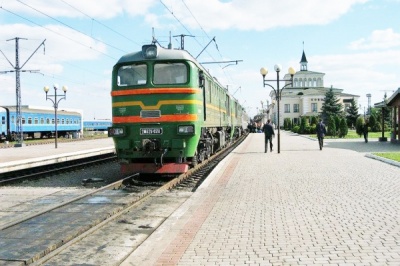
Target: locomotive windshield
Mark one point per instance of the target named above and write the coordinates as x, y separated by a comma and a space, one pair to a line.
170, 73
132, 75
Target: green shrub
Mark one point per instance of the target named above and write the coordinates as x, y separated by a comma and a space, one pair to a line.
314, 120
343, 129
331, 127
313, 129
359, 125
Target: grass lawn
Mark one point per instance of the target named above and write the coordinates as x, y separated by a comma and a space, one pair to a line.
395, 156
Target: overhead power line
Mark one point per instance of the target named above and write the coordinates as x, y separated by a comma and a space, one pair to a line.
55, 32
102, 24
72, 28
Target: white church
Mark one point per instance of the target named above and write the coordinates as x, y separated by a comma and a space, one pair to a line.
305, 97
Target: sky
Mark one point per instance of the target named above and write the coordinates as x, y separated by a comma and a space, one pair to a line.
356, 43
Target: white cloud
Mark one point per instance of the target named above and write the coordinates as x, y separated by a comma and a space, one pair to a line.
379, 39
257, 15
210, 14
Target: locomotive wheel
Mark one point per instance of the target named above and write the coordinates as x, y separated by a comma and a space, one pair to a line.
194, 160
200, 157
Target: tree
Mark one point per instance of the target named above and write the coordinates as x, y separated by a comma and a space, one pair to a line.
287, 124
337, 122
331, 105
331, 126
360, 125
343, 129
352, 113
372, 123
303, 125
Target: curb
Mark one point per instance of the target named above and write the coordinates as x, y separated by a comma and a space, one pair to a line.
385, 160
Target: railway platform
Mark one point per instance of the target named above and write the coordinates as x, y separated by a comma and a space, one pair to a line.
303, 206
12, 159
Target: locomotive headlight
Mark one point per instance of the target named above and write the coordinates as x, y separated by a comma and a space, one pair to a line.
116, 131
149, 51
187, 130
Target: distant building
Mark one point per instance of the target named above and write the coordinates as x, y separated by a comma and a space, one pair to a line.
305, 97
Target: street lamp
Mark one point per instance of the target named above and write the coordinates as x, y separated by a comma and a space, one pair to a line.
384, 105
55, 103
278, 92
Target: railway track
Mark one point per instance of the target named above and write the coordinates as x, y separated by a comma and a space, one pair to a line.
69, 222
34, 173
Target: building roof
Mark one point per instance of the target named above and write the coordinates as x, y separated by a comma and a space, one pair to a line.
308, 72
394, 96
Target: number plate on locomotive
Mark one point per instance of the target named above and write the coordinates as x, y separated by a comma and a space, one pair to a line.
151, 131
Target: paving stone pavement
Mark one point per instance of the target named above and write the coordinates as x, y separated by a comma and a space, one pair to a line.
300, 207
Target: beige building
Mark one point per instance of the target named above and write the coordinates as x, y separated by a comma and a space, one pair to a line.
305, 97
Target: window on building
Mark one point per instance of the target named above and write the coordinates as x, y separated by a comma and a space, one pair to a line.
287, 108
314, 107
296, 108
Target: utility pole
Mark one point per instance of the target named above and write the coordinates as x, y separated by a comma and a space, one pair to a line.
183, 39
17, 70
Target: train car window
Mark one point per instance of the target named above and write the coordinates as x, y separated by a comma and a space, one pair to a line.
132, 75
29, 120
52, 121
236, 109
47, 120
170, 73
3, 120
23, 120
228, 109
36, 121
62, 121
42, 120
208, 90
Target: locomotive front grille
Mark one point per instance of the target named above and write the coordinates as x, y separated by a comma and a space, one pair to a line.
150, 114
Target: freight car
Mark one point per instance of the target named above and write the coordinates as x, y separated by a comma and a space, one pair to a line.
38, 122
168, 112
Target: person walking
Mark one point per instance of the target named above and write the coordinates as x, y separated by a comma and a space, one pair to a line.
321, 131
268, 134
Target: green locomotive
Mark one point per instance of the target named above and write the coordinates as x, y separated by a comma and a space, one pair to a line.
168, 112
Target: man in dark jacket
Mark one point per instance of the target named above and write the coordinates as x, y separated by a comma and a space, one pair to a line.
321, 131
268, 133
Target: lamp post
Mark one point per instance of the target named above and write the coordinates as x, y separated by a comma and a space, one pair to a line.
55, 103
384, 104
278, 92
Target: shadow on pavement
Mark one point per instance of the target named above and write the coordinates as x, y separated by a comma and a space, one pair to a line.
360, 146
